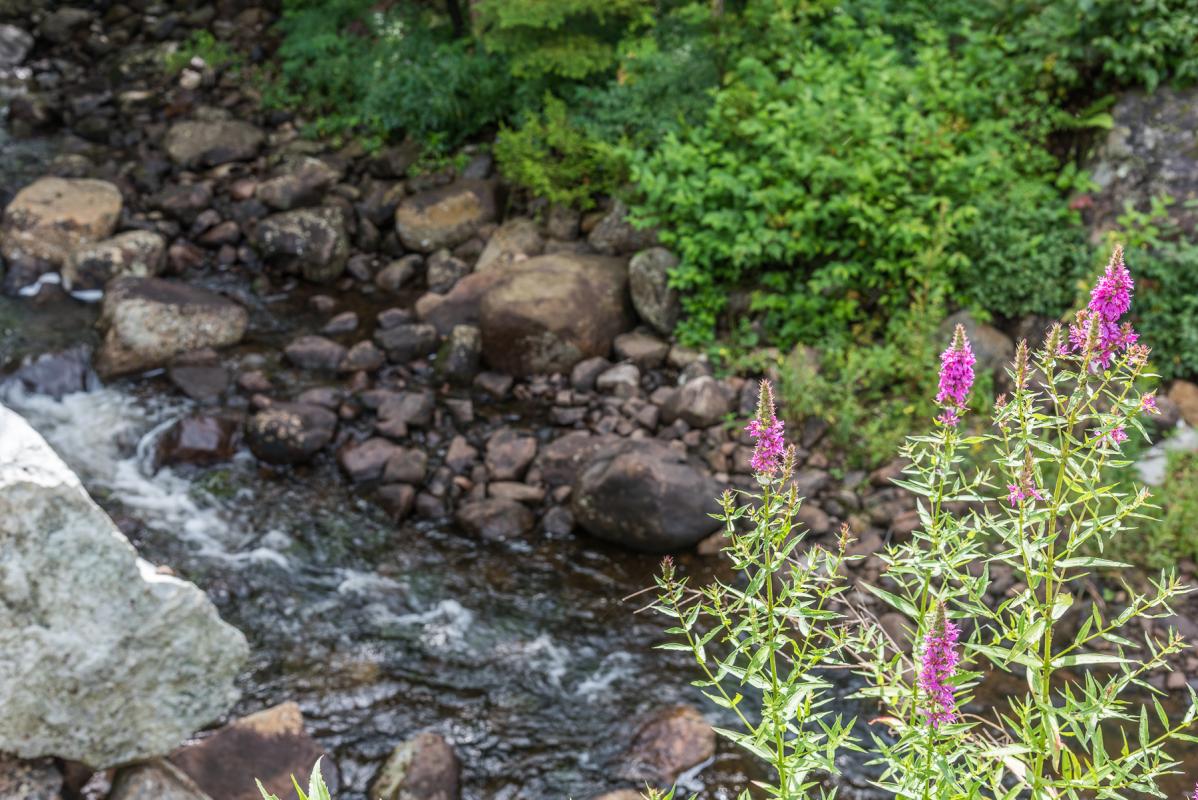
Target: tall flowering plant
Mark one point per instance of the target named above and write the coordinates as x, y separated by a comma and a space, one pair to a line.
774, 634
1042, 693
1064, 724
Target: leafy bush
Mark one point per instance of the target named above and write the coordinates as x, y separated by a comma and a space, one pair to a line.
1062, 692
826, 178
554, 158
387, 73
564, 39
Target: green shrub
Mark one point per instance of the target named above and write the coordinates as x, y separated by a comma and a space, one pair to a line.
554, 158
823, 180
387, 73
563, 39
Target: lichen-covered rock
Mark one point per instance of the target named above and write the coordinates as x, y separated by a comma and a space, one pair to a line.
48, 219
106, 661
310, 241
140, 254
446, 216
515, 240
548, 313
155, 780
208, 143
1150, 151
288, 433
148, 321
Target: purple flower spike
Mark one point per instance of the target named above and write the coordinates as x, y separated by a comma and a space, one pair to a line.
956, 377
940, 659
1148, 403
766, 430
1109, 301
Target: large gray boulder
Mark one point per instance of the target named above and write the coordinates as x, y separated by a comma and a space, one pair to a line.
106, 661
547, 313
149, 321
644, 495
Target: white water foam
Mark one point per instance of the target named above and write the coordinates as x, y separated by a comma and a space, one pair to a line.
108, 439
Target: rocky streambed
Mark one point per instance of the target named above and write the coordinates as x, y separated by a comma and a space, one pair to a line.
419, 442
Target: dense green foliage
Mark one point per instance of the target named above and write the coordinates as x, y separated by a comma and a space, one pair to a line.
554, 158
841, 167
383, 73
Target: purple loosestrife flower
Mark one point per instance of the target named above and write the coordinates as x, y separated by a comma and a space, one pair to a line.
940, 659
766, 430
1148, 403
1026, 487
956, 377
1110, 299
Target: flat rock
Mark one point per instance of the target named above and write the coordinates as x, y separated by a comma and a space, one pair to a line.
48, 219
445, 216
208, 143
106, 660
495, 519
315, 352
148, 321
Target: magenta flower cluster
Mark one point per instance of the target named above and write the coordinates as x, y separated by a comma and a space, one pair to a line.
1110, 299
767, 455
1016, 493
940, 659
956, 377
766, 430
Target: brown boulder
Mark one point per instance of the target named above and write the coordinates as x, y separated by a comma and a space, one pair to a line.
423, 768
671, 742
548, 313
270, 745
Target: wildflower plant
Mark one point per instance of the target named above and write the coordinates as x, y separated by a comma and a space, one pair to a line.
1041, 693
775, 635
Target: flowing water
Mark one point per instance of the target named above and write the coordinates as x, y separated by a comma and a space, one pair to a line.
525, 655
